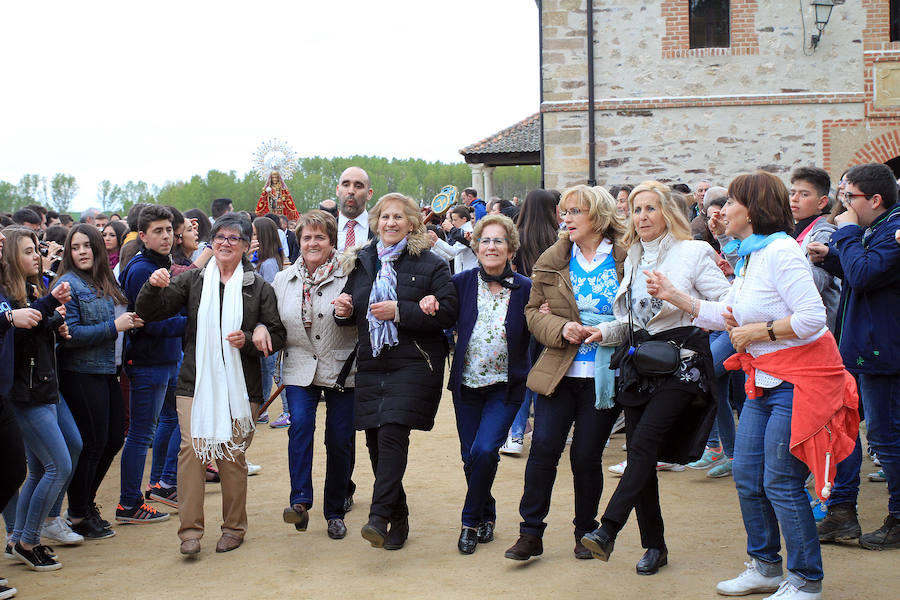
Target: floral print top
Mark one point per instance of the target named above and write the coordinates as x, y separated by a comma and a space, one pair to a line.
487, 357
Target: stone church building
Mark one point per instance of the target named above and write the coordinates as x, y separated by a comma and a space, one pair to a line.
683, 90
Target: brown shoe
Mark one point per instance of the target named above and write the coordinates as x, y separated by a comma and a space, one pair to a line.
525, 547
228, 542
189, 547
298, 515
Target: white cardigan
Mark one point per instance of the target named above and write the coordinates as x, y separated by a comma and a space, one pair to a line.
317, 355
691, 267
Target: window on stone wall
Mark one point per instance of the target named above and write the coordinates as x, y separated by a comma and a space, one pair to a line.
895, 20
708, 23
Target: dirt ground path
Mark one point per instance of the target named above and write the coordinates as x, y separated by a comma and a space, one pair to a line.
704, 533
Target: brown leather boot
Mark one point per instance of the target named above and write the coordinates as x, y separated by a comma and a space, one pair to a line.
526, 546
841, 523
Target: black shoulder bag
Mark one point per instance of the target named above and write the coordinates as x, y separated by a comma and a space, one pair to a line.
651, 357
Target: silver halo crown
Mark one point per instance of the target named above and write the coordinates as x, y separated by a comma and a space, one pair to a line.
274, 155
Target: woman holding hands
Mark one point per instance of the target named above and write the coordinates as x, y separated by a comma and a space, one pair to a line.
401, 352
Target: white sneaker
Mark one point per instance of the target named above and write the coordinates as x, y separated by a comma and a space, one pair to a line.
619, 468
787, 591
662, 466
751, 581
512, 446
253, 469
59, 531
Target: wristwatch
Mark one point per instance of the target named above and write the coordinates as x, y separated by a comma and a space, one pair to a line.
770, 328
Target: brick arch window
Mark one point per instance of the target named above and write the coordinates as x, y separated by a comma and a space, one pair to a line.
708, 23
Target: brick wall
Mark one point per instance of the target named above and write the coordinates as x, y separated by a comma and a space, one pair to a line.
676, 40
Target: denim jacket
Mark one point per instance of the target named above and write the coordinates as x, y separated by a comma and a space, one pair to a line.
91, 321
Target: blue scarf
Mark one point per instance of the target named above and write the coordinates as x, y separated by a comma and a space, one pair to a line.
750, 244
604, 377
384, 333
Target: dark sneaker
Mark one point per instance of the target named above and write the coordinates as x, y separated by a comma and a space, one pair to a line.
37, 558
168, 496
839, 524
95, 512
6, 591
8, 553
885, 537
140, 514
91, 529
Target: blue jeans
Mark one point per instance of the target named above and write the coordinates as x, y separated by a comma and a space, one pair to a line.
770, 483
167, 440
723, 429
520, 422
881, 401
73, 440
483, 417
148, 393
339, 434
49, 468
267, 364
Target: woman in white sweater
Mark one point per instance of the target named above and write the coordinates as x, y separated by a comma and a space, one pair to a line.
667, 416
776, 321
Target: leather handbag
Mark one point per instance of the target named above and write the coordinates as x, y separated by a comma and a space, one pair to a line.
651, 358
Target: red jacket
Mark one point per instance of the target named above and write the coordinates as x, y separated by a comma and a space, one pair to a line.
825, 415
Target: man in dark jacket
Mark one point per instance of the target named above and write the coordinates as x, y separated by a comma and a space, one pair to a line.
152, 355
864, 253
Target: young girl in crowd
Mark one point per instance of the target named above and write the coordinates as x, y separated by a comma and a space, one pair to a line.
270, 260
34, 396
87, 363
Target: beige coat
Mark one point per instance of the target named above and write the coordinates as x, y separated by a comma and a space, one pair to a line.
550, 282
313, 356
691, 267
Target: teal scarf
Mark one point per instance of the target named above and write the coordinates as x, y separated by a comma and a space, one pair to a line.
751, 244
604, 377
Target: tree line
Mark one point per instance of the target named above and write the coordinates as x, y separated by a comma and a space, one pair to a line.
314, 180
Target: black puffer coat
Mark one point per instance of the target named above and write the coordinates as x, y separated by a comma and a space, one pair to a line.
403, 384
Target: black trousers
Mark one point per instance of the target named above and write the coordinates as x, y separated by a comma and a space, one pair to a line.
572, 402
388, 450
646, 426
12, 465
96, 405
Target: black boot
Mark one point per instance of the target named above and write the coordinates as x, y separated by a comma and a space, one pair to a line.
885, 537
839, 524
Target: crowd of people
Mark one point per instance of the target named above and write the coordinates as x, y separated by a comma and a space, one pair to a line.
668, 312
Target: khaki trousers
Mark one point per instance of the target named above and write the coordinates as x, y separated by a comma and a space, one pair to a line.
192, 483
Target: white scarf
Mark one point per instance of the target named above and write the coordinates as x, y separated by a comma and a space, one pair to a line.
221, 409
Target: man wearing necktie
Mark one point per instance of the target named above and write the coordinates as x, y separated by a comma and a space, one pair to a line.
353, 192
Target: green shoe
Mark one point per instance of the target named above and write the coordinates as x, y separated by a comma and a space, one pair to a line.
722, 469
710, 457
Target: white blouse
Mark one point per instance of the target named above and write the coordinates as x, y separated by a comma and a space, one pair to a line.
775, 283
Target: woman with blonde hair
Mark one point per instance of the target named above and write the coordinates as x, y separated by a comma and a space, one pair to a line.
669, 407
577, 278
401, 351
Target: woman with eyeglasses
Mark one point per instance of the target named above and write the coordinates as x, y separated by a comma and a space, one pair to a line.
575, 280
232, 320
489, 367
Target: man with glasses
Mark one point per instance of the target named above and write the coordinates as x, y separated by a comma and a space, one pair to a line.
152, 354
865, 254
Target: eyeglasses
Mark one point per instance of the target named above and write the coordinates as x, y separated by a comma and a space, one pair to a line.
231, 240
848, 197
492, 241
572, 211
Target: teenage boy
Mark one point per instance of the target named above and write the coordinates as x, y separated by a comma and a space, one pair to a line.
152, 354
810, 205
865, 253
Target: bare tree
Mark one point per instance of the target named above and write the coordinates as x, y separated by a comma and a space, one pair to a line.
109, 196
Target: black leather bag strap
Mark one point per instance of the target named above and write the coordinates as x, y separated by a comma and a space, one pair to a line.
345, 370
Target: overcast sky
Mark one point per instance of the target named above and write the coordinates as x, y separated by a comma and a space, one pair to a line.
162, 91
